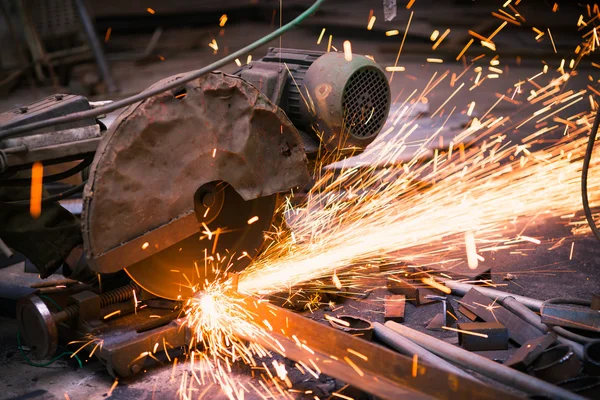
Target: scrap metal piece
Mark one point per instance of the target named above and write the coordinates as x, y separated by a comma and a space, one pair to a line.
356, 326
591, 358
389, 9
482, 365
372, 368
414, 295
572, 316
461, 288
142, 195
394, 308
404, 346
556, 364
469, 314
496, 336
530, 351
490, 311
446, 318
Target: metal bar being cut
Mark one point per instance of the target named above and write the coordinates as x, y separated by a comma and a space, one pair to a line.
362, 364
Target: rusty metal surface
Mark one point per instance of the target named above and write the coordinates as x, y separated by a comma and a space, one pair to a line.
384, 373
158, 152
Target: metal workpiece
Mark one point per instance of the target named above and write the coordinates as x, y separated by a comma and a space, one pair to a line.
460, 288
482, 365
404, 346
556, 364
369, 367
125, 350
345, 102
571, 313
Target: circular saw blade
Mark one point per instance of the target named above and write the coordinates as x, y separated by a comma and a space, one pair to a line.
230, 246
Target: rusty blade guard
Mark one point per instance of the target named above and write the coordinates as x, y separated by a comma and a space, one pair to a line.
140, 198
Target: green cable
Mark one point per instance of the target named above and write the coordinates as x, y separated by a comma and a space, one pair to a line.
28, 361
176, 83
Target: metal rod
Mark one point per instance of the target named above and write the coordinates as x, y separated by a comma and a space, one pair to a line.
95, 46
482, 365
525, 313
4, 249
462, 289
535, 320
404, 346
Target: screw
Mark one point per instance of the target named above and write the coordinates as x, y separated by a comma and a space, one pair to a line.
23, 109
106, 299
135, 368
58, 97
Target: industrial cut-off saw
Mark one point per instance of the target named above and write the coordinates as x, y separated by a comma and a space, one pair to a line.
208, 156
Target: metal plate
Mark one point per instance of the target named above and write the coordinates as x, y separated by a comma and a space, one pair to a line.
173, 272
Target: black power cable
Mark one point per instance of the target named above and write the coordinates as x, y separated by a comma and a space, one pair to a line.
59, 196
50, 178
177, 83
584, 175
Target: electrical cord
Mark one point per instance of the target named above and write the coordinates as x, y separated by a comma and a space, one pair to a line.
50, 178
95, 112
49, 199
28, 361
584, 175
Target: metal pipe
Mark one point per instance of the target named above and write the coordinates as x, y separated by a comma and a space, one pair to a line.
462, 289
535, 320
404, 346
4, 249
94, 43
482, 365
522, 311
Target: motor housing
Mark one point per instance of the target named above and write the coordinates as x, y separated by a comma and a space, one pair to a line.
340, 104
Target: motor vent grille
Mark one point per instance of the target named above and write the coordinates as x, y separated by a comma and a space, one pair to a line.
366, 102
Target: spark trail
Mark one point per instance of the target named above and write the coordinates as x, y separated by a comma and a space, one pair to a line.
421, 213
